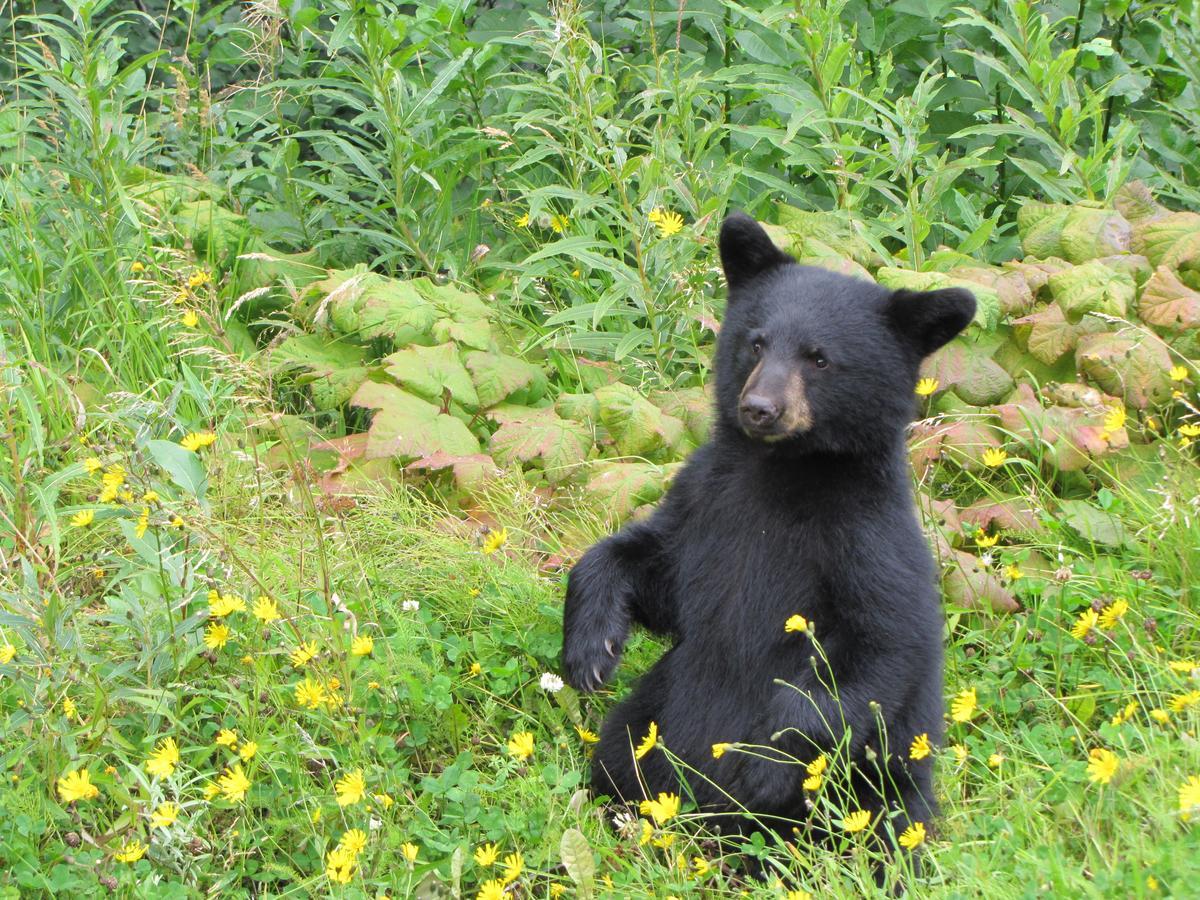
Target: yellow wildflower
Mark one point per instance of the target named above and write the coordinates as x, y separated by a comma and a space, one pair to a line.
669, 223
1112, 614
7, 652
143, 522
856, 821
1125, 714
150, 497
514, 864
559, 223
812, 782
198, 440
247, 750
1012, 572
796, 623
266, 610
165, 815
1180, 702
1178, 373
962, 709
234, 784
649, 742
921, 747
486, 855
227, 737
1183, 666
221, 605
1102, 765
494, 541
198, 278
83, 518
700, 866
77, 785
491, 890
995, 760
1189, 797
350, 788
522, 221
983, 539
927, 386
340, 865
1088, 619
131, 852
70, 710
189, 318
960, 753
588, 737
310, 694
383, 800
92, 465
994, 456
363, 645
163, 759
1161, 716
913, 836
304, 654
353, 841
520, 745
410, 850
211, 790
1115, 420
818, 765
662, 809
216, 636
718, 750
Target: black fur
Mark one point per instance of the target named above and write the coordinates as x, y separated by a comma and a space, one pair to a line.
820, 522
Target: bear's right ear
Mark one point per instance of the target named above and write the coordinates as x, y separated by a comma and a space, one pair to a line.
747, 250
929, 319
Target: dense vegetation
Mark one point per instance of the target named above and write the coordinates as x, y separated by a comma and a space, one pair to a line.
332, 331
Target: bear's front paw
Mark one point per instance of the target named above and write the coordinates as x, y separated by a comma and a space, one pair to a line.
591, 651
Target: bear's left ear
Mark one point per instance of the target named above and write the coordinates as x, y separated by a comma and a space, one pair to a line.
929, 319
747, 250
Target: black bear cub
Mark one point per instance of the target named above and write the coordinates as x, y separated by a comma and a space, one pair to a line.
799, 505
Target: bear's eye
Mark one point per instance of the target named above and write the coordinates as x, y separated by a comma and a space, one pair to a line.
757, 346
820, 361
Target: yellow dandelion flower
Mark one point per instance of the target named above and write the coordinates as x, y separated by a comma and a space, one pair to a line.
1161, 716
164, 758
227, 737
520, 745
994, 456
222, 605
190, 319
1180, 702
131, 852
409, 851
304, 654
1178, 373
150, 497
813, 782
143, 522
475, 668
211, 790
137, 267
557, 890
7, 652
514, 865
491, 890
669, 223
92, 465
340, 865
1088, 619
1183, 666
363, 645
310, 694
522, 221
1112, 614
818, 765
383, 800
70, 710
350, 788
77, 785
266, 610
372, 685
960, 753
559, 223
856, 821
1012, 572
798, 895
486, 855
661, 809
1190, 430
216, 636
995, 760
353, 841
198, 278
1102, 765
648, 743
164, 815
983, 539
1125, 714
234, 784
83, 518
921, 747
247, 750
796, 623
927, 386
176, 521
963, 707
1189, 797
1115, 420
913, 836
588, 737
700, 866
198, 440
718, 750
494, 541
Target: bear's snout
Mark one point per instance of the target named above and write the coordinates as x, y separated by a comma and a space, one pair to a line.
759, 413
774, 404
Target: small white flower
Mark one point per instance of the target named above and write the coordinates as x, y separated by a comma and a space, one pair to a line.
410, 605
551, 682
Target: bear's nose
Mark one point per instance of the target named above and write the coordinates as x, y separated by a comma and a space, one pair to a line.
759, 411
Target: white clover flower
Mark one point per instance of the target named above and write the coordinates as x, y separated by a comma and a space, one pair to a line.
410, 605
551, 683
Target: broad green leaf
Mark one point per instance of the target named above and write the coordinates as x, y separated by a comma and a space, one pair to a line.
499, 378
636, 425
182, 465
333, 369
1092, 288
1092, 523
431, 373
577, 859
1169, 303
621, 487
366, 305
460, 316
1133, 365
540, 436
407, 427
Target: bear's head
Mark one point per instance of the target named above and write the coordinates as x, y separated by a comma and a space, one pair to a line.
812, 361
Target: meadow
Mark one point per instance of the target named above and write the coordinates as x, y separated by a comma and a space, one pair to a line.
332, 333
